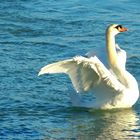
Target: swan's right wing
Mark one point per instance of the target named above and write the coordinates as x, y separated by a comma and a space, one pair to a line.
100, 53
85, 73
121, 56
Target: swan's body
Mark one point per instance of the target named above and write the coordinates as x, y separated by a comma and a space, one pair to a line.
111, 84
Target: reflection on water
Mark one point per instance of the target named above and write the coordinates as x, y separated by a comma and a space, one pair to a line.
36, 33
116, 124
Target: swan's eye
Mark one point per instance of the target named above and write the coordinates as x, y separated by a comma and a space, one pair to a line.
118, 26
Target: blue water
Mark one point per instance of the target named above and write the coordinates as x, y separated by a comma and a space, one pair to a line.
35, 33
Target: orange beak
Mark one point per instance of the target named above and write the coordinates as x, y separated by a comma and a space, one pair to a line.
123, 29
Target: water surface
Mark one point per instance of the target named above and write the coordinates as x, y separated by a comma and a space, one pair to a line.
35, 33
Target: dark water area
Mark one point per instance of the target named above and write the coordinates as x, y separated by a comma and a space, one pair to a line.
35, 33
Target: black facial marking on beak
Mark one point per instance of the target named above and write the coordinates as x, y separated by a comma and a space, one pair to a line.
118, 26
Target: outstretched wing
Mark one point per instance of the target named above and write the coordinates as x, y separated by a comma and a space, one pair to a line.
84, 73
121, 56
100, 53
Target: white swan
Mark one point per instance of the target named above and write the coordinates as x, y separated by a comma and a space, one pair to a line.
113, 86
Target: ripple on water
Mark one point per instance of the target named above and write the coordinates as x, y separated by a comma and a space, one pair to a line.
36, 33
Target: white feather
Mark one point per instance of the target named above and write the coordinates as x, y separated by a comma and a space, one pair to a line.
112, 85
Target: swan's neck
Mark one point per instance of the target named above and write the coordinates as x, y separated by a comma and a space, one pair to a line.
120, 72
111, 50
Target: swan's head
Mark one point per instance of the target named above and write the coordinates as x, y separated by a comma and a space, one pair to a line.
114, 29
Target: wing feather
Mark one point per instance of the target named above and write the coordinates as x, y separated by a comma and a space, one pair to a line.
85, 73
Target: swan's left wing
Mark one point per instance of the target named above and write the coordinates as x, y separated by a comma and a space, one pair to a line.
82, 74
85, 73
100, 53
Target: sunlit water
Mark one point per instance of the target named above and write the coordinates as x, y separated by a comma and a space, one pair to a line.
35, 33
